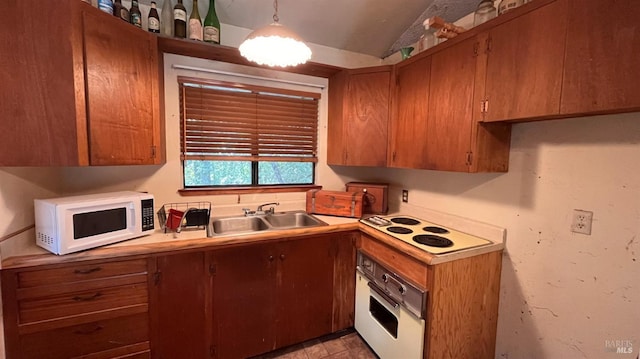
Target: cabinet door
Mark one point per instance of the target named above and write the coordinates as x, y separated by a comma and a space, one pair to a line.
121, 92
524, 69
601, 69
450, 113
179, 307
367, 119
243, 300
408, 130
305, 289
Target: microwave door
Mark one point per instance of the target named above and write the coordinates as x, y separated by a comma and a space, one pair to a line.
96, 225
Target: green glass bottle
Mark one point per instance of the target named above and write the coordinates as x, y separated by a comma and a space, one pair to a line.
212, 24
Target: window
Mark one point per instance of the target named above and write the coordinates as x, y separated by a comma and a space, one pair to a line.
239, 135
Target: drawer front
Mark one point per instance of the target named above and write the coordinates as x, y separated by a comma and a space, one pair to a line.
74, 273
81, 302
78, 340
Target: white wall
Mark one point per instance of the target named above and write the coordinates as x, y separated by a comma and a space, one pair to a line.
562, 294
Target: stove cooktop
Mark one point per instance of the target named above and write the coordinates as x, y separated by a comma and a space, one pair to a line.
424, 235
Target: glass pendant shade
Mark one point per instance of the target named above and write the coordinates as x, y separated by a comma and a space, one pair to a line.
275, 45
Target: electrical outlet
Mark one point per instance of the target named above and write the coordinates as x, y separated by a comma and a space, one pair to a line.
405, 196
581, 221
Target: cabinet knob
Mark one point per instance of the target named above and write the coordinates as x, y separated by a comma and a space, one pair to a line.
282, 256
402, 289
271, 258
385, 278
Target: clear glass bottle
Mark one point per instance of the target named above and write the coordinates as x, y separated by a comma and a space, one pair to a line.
195, 23
212, 24
153, 20
166, 22
106, 6
485, 12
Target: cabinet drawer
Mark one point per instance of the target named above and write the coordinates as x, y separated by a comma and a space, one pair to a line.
80, 302
94, 337
74, 273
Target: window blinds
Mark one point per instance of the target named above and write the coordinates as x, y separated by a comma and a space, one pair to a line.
233, 122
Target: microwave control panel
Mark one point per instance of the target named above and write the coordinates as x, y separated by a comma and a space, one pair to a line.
147, 214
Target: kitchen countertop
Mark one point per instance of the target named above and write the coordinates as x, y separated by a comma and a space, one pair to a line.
28, 254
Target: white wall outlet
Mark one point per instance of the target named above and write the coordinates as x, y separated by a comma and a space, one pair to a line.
581, 222
405, 196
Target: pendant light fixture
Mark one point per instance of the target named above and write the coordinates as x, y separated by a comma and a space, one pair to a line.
275, 45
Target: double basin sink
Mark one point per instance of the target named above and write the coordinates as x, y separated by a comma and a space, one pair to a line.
264, 222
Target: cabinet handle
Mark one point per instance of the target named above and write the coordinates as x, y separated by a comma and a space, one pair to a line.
87, 271
89, 298
88, 331
271, 258
282, 256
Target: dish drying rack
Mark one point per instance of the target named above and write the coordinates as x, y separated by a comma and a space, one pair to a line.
179, 215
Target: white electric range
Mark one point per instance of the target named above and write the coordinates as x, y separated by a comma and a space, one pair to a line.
424, 235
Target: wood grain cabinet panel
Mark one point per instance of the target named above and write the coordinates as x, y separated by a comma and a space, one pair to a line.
601, 72
77, 93
408, 142
524, 66
95, 310
272, 295
359, 117
179, 306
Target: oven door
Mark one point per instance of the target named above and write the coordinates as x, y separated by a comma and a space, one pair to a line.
389, 329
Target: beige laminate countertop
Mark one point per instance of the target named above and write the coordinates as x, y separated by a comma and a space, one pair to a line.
31, 255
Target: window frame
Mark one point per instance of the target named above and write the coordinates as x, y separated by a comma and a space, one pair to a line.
255, 164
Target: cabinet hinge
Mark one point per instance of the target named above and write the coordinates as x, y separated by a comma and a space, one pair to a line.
212, 269
469, 158
153, 151
156, 278
475, 49
488, 44
393, 157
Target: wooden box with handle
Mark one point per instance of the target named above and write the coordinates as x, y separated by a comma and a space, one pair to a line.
335, 203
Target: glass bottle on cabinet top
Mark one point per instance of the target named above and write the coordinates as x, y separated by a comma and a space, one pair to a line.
212, 24
135, 15
180, 20
195, 23
166, 23
485, 12
153, 20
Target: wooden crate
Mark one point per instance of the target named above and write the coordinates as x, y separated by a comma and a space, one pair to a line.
375, 196
335, 203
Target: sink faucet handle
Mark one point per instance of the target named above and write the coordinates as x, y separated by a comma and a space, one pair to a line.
247, 211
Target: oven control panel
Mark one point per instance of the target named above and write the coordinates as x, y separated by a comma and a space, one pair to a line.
393, 285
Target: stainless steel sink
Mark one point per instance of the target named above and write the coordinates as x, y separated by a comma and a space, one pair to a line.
265, 222
292, 220
238, 224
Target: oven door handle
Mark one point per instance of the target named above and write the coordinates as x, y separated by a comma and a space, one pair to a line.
384, 295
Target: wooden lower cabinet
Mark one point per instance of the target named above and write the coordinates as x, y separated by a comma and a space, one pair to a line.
96, 309
249, 299
179, 297
270, 296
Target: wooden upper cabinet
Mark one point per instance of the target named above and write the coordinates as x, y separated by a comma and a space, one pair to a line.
359, 116
601, 72
450, 118
78, 93
408, 130
524, 65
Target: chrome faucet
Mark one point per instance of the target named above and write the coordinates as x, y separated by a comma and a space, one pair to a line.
259, 211
270, 210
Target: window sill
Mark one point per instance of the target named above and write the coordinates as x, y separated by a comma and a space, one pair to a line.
245, 190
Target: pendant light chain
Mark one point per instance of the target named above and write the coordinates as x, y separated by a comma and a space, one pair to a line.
275, 8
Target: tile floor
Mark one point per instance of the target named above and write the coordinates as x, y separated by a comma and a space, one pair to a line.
348, 346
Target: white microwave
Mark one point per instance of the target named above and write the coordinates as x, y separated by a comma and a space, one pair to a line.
70, 224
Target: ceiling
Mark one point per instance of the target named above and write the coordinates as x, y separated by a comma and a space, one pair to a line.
374, 27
